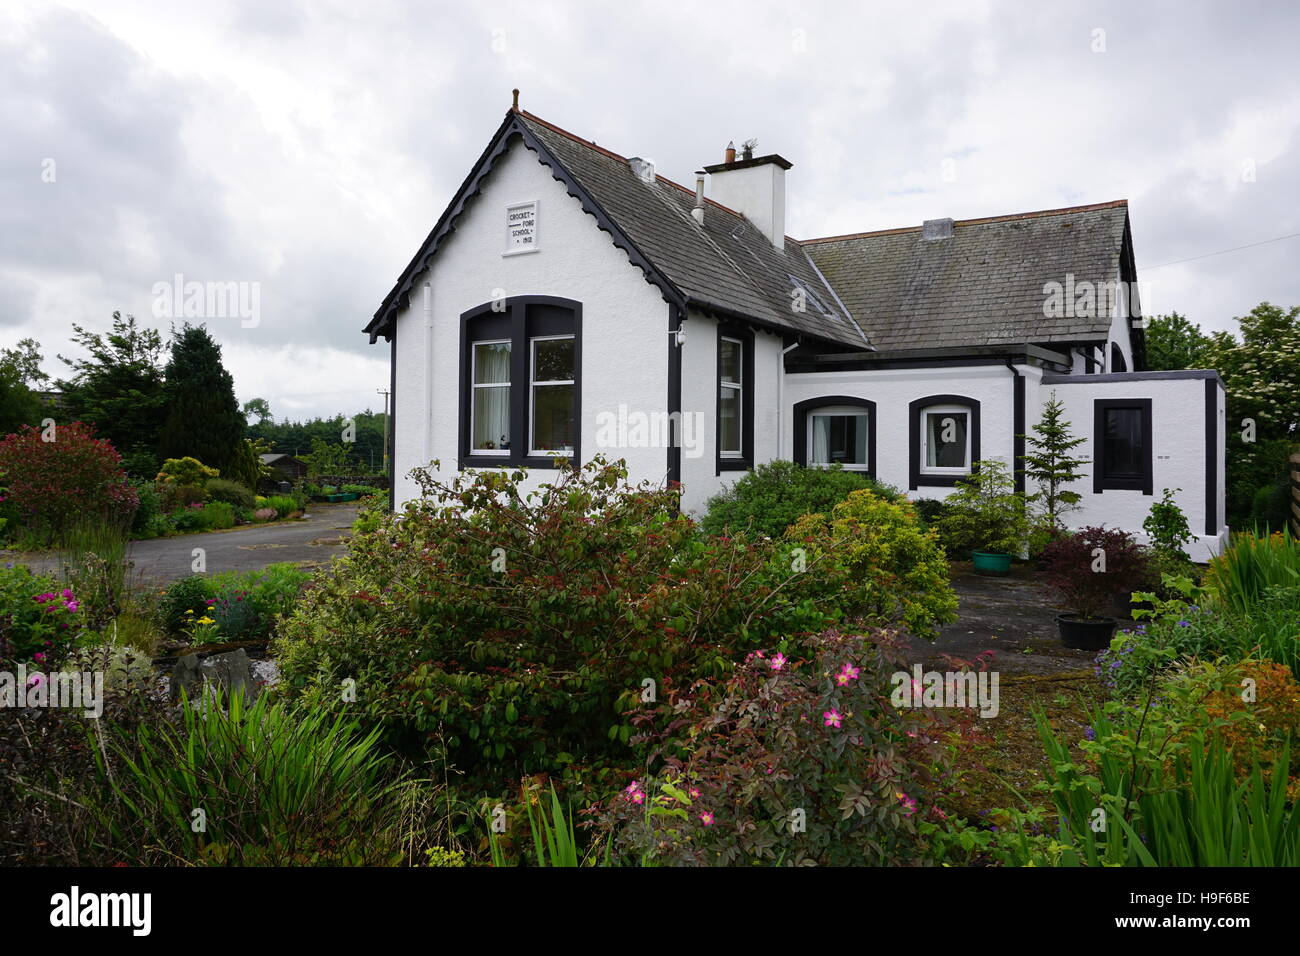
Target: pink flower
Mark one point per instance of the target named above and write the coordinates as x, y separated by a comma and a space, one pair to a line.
694, 793
72, 606
43, 598
831, 718
707, 818
906, 801
778, 662
36, 680
846, 674
38, 657
634, 793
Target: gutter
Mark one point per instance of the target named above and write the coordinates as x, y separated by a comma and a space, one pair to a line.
1018, 424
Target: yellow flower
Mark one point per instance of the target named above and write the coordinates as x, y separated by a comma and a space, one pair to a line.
206, 620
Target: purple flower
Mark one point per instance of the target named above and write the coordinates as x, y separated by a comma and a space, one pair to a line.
1089, 733
1184, 623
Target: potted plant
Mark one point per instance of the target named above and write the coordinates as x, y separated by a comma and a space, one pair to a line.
1088, 568
985, 517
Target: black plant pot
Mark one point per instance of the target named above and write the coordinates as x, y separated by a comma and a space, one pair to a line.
1084, 634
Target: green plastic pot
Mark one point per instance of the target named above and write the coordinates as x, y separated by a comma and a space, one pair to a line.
989, 562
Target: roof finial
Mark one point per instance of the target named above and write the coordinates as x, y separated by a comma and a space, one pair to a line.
515, 107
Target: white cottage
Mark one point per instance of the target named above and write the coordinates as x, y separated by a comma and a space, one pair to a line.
572, 301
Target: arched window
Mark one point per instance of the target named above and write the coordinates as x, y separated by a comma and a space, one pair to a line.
836, 430
521, 362
944, 433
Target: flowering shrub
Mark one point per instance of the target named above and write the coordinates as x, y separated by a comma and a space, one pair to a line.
517, 628
40, 622
185, 471
884, 566
74, 477
240, 605
1093, 566
798, 758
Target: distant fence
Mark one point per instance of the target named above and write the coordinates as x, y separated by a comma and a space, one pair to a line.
1295, 494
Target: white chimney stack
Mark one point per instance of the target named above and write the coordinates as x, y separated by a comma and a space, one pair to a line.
755, 188
698, 211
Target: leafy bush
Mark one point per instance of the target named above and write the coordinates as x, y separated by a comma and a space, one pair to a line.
768, 499
374, 512
1166, 525
150, 519
186, 471
276, 788
873, 553
792, 760
207, 517
244, 605
362, 490
231, 492
516, 629
40, 622
1093, 566
985, 513
73, 477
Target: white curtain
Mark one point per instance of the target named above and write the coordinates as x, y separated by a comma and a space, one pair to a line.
491, 404
821, 435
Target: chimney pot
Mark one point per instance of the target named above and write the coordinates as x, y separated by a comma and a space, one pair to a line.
730, 154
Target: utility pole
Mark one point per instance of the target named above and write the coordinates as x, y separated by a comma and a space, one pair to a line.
384, 392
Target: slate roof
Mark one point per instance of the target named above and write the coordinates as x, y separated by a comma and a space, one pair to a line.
726, 263
884, 290
982, 286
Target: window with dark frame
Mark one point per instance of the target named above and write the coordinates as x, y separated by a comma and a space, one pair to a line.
734, 420
520, 382
943, 440
1122, 445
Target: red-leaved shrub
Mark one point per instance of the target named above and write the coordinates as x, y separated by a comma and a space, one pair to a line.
68, 478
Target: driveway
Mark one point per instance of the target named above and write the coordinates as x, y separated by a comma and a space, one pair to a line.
1014, 617
311, 540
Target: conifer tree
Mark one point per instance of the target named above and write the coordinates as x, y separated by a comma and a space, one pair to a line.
1049, 463
203, 419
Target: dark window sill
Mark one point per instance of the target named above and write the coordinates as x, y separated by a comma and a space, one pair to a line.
939, 481
734, 464
480, 462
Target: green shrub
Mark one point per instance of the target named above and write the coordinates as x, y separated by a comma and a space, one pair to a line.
873, 553
208, 517
374, 511
276, 789
244, 604
284, 505
514, 630
231, 492
768, 499
150, 519
815, 731
185, 471
361, 490
985, 513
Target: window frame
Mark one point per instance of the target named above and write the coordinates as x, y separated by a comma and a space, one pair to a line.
519, 320
920, 475
802, 432
744, 460
931, 471
1143, 480
474, 386
532, 393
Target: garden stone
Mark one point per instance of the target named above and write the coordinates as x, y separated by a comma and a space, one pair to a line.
228, 672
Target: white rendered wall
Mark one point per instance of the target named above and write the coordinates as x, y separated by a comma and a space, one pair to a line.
624, 320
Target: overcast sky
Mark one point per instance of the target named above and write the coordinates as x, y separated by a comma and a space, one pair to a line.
309, 147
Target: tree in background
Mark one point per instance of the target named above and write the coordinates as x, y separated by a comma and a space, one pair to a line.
1173, 342
203, 419
20, 373
364, 454
119, 389
1262, 375
258, 410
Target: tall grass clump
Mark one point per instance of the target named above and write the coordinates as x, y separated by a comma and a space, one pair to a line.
1252, 565
274, 788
